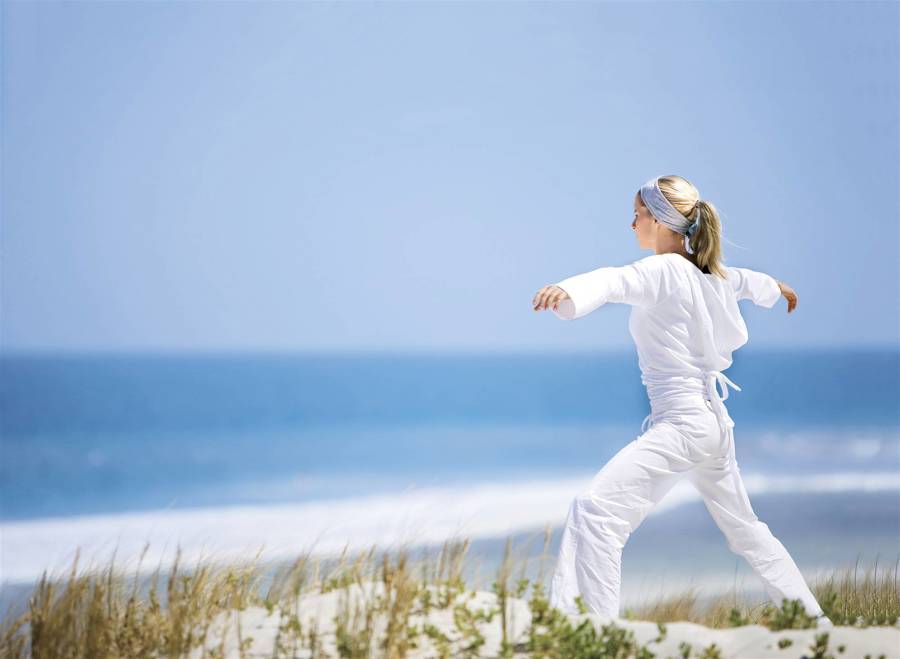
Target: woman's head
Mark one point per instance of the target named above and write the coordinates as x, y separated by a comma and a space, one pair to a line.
705, 241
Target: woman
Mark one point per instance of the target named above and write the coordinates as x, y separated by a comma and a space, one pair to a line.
685, 322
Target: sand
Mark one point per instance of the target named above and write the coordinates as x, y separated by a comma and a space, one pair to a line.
259, 631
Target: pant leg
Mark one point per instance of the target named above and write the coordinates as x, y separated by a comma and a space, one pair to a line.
601, 518
719, 482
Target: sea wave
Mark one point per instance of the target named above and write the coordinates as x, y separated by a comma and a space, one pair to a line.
413, 516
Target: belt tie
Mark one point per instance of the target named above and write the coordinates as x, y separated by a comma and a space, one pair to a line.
711, 379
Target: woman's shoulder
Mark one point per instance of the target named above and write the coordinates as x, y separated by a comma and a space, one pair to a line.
662, 273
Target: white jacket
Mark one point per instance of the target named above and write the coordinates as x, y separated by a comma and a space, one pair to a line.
685, 324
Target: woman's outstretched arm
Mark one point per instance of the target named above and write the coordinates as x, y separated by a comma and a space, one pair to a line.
642, 283
764, 290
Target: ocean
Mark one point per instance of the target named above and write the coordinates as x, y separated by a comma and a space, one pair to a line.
227, 450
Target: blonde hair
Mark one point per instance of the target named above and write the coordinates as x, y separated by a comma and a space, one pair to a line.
706, 242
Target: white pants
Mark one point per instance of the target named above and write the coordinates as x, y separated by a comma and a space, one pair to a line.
691, 438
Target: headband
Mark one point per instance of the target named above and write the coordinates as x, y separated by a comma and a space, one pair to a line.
666, 213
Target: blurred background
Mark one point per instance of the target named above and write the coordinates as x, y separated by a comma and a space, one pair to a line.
267, 269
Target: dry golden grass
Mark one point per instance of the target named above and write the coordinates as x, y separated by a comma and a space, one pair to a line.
848, 598
103, 613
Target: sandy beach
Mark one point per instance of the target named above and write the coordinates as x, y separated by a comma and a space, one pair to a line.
259, 630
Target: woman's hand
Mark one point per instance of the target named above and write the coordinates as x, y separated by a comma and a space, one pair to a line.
549, 295
789, 295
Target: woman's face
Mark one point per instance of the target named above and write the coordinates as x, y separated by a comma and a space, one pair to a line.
644, 224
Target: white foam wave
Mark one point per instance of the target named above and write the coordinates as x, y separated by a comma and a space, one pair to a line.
410, 517
858, 444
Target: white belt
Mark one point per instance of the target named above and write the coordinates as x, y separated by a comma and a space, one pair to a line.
710, 378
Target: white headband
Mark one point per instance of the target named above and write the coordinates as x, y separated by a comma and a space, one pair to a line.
666, 213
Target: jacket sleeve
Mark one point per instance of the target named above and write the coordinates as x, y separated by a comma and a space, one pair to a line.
759, 287
644, 283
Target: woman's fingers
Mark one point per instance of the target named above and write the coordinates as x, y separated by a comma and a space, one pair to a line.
540, 300
792, 301
789, 294
538, 297
548, 296
558, 295
546, 292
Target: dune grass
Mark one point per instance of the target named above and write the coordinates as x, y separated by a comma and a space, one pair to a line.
105, 613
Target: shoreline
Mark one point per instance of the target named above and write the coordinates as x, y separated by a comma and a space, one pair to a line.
820, 529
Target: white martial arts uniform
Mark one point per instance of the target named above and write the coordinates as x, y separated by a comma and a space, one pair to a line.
685, 325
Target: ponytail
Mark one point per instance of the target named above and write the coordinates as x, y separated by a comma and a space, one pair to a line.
706, 240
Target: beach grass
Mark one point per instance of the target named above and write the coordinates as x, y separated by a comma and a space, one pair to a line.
388, 605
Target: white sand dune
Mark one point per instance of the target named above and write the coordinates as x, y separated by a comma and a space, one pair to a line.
746, 642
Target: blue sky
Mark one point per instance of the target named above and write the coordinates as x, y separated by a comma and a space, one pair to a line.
405, 176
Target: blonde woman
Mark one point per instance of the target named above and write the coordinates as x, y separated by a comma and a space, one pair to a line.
686, 323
